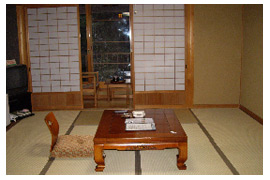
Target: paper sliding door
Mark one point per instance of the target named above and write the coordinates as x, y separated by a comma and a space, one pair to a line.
159, 54
54, 56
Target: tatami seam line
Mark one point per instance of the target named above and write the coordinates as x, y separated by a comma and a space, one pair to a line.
72, 125
219, 151
51, 159
47, 166
138, 168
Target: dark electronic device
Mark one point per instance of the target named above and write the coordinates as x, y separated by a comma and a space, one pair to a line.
16, 80
16, 88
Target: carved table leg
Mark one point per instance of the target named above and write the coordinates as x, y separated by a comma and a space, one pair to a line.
99, 158
182, 156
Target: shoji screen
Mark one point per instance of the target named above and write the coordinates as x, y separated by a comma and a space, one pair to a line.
54, 50
159, 47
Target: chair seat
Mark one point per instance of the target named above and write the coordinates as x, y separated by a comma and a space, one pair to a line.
89, 86
68, 146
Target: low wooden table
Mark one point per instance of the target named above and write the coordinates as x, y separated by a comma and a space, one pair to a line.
111, 134
126, 86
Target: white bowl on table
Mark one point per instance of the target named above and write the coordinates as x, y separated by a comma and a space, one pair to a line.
138, 114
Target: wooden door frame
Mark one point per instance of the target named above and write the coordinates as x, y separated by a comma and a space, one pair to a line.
132, 54
90, 44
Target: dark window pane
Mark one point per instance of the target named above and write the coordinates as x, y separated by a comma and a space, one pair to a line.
106, 71
110, 35
110, 30
97, 8
83, 38
103, 47
124, 58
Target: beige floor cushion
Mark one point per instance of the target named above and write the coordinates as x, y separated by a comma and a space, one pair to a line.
72, 146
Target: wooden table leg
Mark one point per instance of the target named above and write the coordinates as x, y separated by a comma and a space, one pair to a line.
182, 156
99, 158
127, 91
108, 93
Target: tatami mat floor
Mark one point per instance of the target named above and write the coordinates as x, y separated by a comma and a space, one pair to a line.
202, 157
28, 142
237, 135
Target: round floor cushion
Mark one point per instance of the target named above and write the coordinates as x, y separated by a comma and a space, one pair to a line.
71, 146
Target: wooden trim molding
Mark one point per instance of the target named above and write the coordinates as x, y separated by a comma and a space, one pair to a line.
251, 114
215, 106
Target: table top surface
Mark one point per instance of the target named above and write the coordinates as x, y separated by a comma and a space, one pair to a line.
111, 128
127, 81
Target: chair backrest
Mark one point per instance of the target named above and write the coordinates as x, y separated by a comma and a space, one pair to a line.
91, 78
92, 75
53, 127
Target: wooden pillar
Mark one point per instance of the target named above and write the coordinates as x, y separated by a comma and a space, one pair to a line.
189, 17
21, 25
21, 34
88, 13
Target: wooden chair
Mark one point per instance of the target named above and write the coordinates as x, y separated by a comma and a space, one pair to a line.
91, 85
68, 146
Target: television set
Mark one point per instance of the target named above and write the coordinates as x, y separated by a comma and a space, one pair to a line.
16, 80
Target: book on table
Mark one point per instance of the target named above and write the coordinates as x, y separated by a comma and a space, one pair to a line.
140, 124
